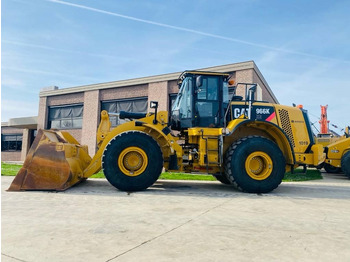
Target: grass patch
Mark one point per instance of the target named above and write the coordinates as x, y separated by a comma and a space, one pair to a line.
182, 176
98, 175
9, 169
311, 174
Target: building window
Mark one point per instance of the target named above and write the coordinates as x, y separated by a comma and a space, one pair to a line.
136, 105
11, 142
66, 117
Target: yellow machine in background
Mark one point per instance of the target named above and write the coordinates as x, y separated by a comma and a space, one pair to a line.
327, 141
338, 156
247, 143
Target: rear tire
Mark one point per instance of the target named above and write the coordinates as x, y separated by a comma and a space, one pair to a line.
331, 169
345, 164
132, 161
255, 164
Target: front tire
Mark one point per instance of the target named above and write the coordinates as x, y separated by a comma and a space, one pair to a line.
345, 164
255, 164
132, 161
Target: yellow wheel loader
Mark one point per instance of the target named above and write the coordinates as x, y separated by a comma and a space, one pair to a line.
338, 157
247, 143
327, 141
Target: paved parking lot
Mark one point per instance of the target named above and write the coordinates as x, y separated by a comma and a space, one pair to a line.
178, 221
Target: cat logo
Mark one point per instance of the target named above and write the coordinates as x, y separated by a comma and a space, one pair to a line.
237, 112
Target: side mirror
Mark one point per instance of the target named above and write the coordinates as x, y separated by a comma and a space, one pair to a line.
253, 88
251, 93
153, 104
199, 81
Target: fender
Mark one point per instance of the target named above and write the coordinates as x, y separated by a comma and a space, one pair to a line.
166, 141
274, 131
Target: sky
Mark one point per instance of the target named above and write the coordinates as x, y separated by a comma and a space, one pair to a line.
301, 47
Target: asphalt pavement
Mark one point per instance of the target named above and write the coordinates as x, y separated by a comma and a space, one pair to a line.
178, 221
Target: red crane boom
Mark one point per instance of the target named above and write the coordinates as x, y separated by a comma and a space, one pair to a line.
324, 121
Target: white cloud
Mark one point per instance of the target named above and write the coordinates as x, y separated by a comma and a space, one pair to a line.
46, 47
189, 30
18, 108
11, 82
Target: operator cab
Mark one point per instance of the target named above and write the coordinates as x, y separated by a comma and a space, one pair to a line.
202, 100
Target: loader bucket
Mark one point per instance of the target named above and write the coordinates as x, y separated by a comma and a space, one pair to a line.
55, 161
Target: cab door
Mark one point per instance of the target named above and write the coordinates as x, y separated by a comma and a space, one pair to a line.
207, 102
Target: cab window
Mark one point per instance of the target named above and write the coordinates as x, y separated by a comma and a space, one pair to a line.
209, 89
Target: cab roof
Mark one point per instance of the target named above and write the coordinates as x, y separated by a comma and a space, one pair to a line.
188, 72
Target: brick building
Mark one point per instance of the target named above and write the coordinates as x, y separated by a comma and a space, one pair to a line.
77, 109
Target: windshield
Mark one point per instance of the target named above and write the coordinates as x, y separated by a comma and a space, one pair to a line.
183, 102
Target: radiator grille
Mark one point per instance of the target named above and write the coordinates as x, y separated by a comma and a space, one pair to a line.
285, 122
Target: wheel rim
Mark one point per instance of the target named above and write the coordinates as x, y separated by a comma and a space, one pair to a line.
133, 161
259, 165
